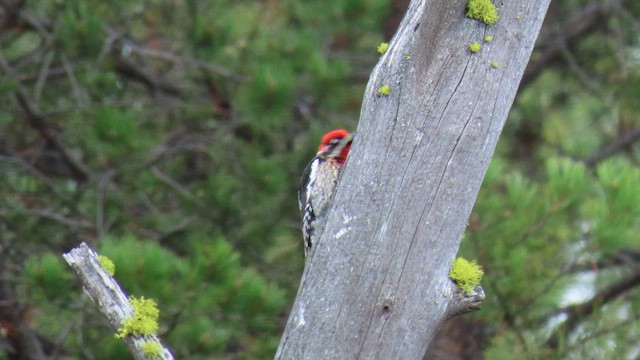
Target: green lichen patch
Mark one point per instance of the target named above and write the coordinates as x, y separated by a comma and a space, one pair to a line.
495, 64
152, 349
467, 274
474, 47
488, 39
384, 90
107, 264
482, 10
144, 320
382, 48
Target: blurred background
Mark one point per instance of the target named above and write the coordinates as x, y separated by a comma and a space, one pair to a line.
170, 136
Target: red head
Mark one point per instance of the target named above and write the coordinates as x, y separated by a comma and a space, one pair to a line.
335, 145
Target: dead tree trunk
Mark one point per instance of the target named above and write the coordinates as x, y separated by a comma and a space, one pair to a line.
377, 285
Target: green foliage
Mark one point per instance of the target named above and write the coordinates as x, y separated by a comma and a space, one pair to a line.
505, 346
219, 301
49, 277
79, 29
615, 218
114, 127
141, 264
23, 45
527, 228
533, 212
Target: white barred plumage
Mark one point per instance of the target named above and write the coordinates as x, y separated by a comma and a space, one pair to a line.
318, 183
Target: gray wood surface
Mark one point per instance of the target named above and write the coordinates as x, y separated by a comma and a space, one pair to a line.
377, 286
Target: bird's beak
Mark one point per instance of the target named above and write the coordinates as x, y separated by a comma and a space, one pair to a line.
350, 137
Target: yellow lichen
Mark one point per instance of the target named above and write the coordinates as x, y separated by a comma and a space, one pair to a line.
144, 320
107, 264
495, 64
152, 349
384, 90
467, 274
474, 47
482, 10
382, 48
488, 39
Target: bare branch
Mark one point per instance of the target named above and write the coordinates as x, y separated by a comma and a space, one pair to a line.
151, 80
131, 46
577, 313
462, 302
51, 215
43, 75
620, 143
176, 186
107, 294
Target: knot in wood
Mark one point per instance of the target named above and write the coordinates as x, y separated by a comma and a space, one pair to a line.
387, 306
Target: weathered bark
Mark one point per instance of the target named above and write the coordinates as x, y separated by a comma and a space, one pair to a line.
377, 285
109, 297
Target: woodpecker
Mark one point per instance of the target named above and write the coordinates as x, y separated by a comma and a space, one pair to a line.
318, 183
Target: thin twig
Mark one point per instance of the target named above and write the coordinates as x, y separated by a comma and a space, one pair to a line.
177, 187
620, 143
78, 94
579, 312
114, 35
43, 75
51, 215
35, 172
104, 180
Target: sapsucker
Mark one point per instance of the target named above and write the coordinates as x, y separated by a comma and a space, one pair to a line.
318, 183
